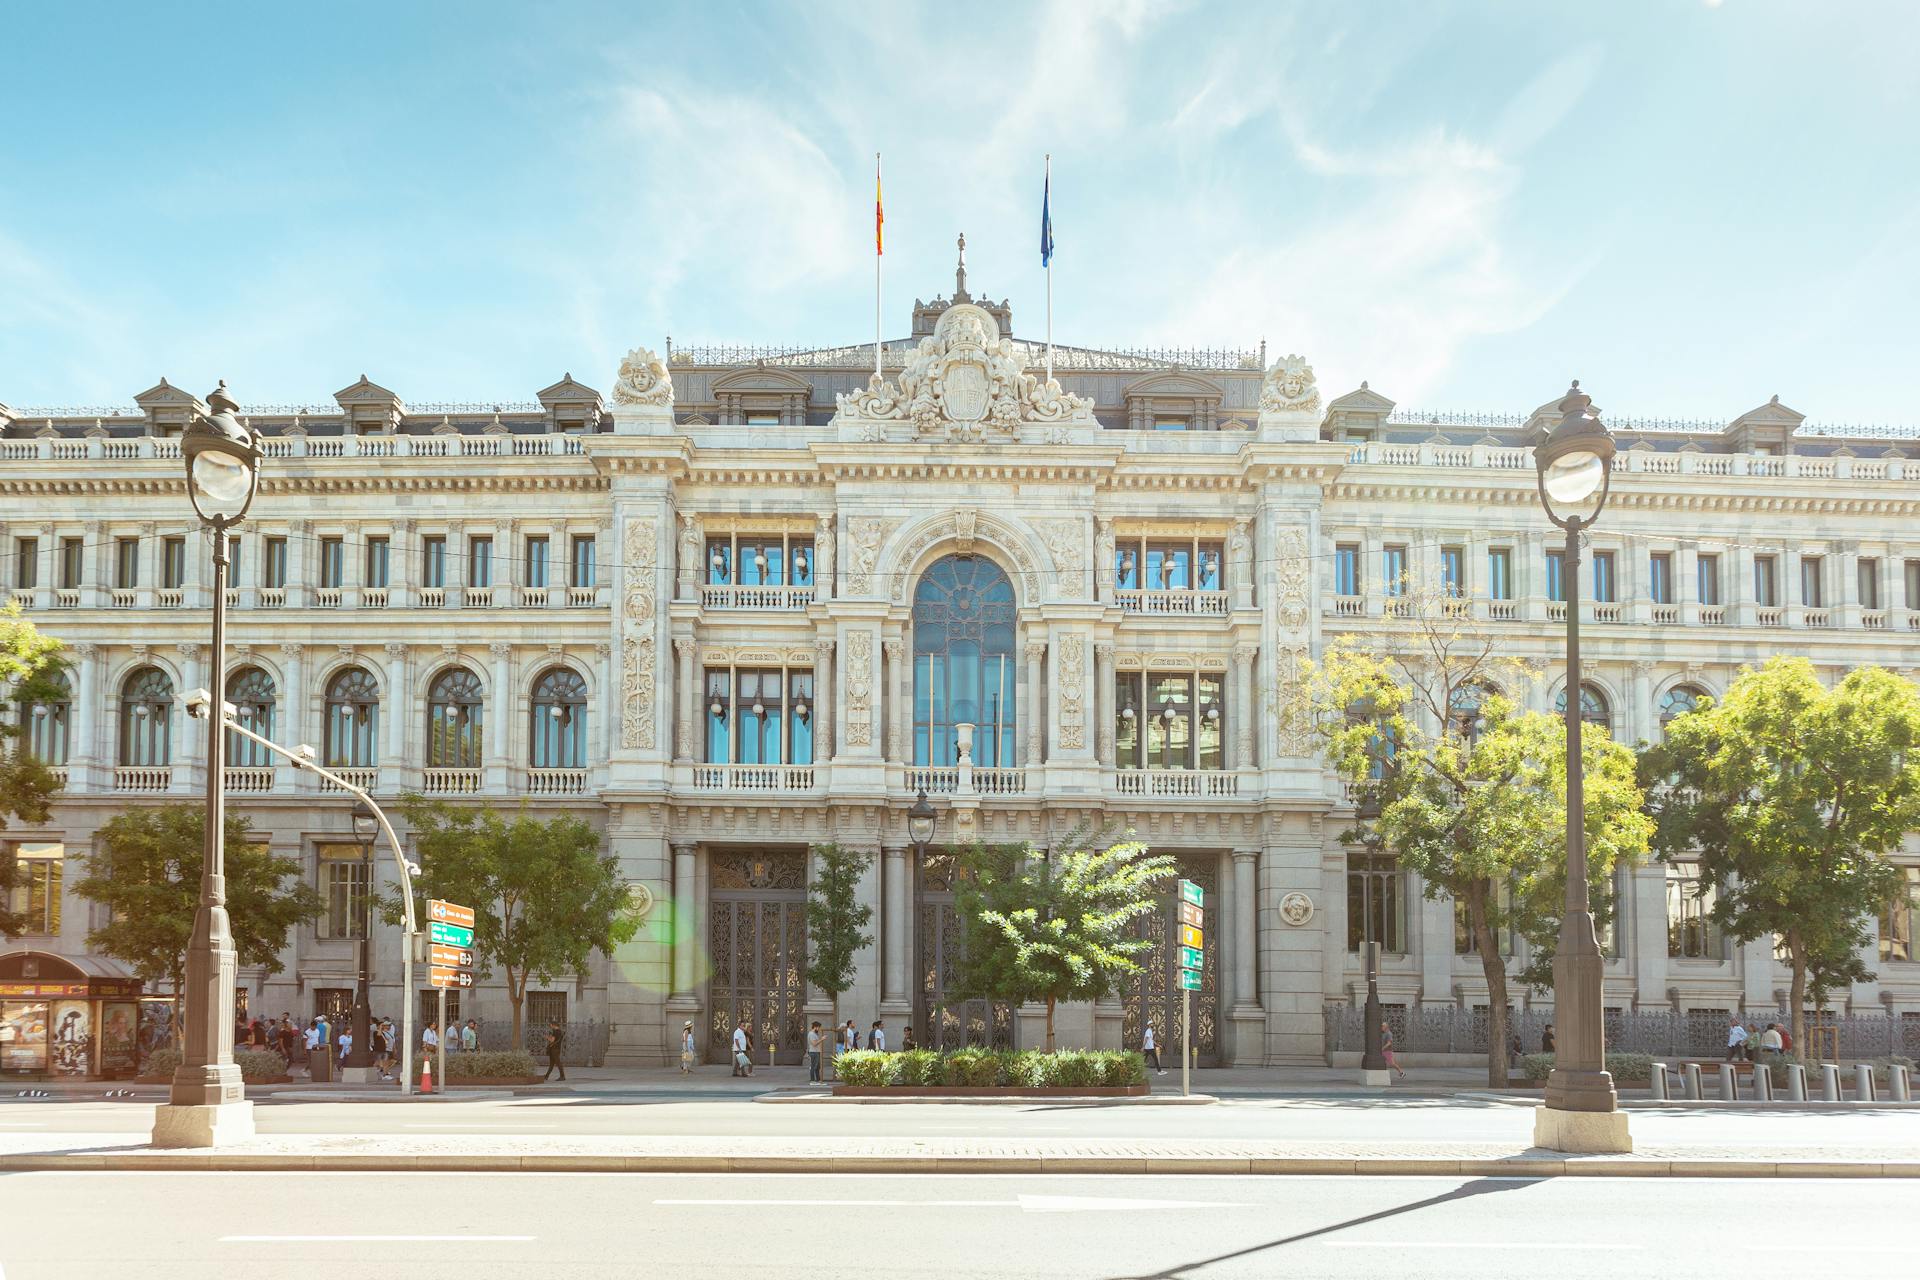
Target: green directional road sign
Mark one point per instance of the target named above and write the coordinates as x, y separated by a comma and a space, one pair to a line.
1191, 892
449, 935
1189, 980
1190, 958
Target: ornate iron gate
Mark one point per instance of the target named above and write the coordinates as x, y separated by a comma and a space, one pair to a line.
757, 931
938, 942
1155, 992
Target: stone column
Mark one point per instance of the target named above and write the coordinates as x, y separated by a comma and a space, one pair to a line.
826, 700
824, 558
1246, 865
90, 749
397, 707
1686, 582
291, 712
501, 739
403, 552
189, 746
1242, 715
1032, 705
49, 567
685, 926
898, 903
1847, 589
898, 694
1643, 722
149, 565
1103, 702
94, 586
300, 558
683, 699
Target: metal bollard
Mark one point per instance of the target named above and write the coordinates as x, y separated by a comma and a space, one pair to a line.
1863, 1082
1762, 1082
1729, 1083
1692, 1080
1829, 1082
1657, 1082
1796, 1082
1899, 1087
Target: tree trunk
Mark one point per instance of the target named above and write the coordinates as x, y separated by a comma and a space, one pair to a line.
826, 1045
1494, 966
516, 993
1049, 1024
1797, 994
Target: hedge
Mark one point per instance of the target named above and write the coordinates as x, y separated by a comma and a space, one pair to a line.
1627, 1068
986, 1069
486, 1064
257, 1066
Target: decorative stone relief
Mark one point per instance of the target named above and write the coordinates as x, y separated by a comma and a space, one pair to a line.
641, 554
964, 523
1292, 579
1296, 908
643, 379
865, 534
691, 547
1105, 544
823, 557
1063, 539
1071, 653
1289, 387
1294, 720
960, 527
859, 677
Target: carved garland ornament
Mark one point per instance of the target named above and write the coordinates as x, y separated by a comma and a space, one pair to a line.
1072, 651
637, 650
1294, 718
859, 677
1290, 596
644, 380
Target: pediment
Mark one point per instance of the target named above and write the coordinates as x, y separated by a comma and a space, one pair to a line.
763, 381
1770, 414
1363, 400
364, 392
164, 395
568, 391
1174, 385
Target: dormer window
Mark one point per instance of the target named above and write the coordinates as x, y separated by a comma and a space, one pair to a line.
1172, 422
763, 418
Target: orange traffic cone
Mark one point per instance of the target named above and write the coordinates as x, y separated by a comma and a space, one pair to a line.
426, 1075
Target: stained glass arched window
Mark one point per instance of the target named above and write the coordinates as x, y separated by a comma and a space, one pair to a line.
963, 662
146, 718
1594, 709
251, 692
455, 719
558, 732
353, 720
1678, 701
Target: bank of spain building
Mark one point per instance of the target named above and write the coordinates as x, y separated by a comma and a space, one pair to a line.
753, 600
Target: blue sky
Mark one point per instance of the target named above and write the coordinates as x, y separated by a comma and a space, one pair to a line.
1689, 206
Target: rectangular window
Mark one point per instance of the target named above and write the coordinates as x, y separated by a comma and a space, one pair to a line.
1869, 582
719, 717
1708, 574
1691, 932
1603, 577
1188, 564
1660, 577
126, 563
1556, 579
1208, 573
36, 885
1499, 573
761, 561
1896, 926
274, 572
1346, 569
377, 566
1376, 903
26, 563
763, 418
433, 562
343, 891
1169, 566
333, 562
800, 562
1913, 585
1765, 593
173, 563
1464, 943
1811, 594
583, 571
1393, 570
479, 562
233, 561
800, 717
1453, 571
536, 562
73, 552
1168, 422
1180, 723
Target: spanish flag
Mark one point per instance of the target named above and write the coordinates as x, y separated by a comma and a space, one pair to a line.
879, 212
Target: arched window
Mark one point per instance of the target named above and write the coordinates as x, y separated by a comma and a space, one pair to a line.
353, 720
1593, 707
454, 720
963, 669
250, 690
1678, 701
558, 733
1463, 709
146, 718
46, 721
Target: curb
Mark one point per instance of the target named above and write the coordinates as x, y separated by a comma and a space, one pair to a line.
1072, 1100
1296, 1166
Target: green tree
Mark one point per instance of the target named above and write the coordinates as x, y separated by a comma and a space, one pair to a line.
544, 895
29, 665
1791, 795
1470, 790
1053, 927
836, 920
146, 872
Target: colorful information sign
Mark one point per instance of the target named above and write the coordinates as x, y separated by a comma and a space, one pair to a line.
1190, 937
1190, 958
450, 957
449, 935
1191, 892
449, 913
442, 977
1190, 914
1189, 980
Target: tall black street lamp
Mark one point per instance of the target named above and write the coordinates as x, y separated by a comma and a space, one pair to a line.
1374, 1055
365, 828
1575, 464
207, 1103
921, 821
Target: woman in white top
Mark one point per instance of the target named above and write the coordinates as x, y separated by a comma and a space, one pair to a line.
1151, 1051
686, 1048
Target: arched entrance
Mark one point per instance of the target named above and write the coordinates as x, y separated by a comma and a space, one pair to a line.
757, 930
963, 662
1155, 992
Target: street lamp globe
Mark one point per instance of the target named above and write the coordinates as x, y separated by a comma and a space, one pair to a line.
365, 825
223, 463
1575, 463
920, 823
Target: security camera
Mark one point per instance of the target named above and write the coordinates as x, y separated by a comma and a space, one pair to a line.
413, 868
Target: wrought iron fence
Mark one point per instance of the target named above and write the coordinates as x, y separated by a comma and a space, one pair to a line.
585, 1045
1692, 1033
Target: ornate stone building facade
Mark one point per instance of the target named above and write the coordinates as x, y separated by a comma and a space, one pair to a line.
757, 599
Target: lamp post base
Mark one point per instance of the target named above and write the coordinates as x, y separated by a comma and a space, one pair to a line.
358, 1075
1582, 1132
202, 1125
1375, 1079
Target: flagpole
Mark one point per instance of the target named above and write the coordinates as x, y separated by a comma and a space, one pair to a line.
1049, 265
879, 221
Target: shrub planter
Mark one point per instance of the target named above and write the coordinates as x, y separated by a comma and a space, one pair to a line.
1008, 1091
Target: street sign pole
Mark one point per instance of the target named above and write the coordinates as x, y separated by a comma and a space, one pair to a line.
1186, 1031
450, 931
1192, 955
440, 1049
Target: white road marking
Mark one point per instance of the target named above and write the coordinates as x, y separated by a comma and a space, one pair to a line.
1469, 1244
1028, 1204
24, 1124
1831, 1248
376, 1239
475, 1127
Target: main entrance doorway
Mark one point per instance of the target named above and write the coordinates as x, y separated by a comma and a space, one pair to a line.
1154, 993
941, 1023
757, 932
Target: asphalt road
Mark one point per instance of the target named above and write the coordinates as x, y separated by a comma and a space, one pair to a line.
58, 1226
1391, 1119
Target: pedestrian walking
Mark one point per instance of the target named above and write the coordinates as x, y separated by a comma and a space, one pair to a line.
742, 1064
1736, 1041
470, 1037
1151, 1051
1515, 1051
556, 1040
346, 1044
906, 1039
429, 1039
815, 1040
1546, 1039
686, 1048
877, 1038
1386, 1050
1770, 1043
849, 1037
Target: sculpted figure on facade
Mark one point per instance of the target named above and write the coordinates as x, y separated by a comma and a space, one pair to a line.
1289, 387
690, 555
643, 379
823, 558
1063, 545
1105, 544
865, 533
1291, 579
1072, 649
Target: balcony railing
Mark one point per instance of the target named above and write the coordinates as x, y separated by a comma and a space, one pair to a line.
433, 597
146, 778
1179, 601
932, 781
1503, 610
1177, 782
1713, 615
1666, 614
733, 595
250, 780
1913, 621
373, 597
170, 598
753, 777
326, 598
361, 776
66, 598
1874, 619
581, 597
1606, 611
1556, 611
1770, 617
23, 597
1819, 618
450, 782
1349, 606
533, 597
273, 598
557, 782
479, 598
124, 598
